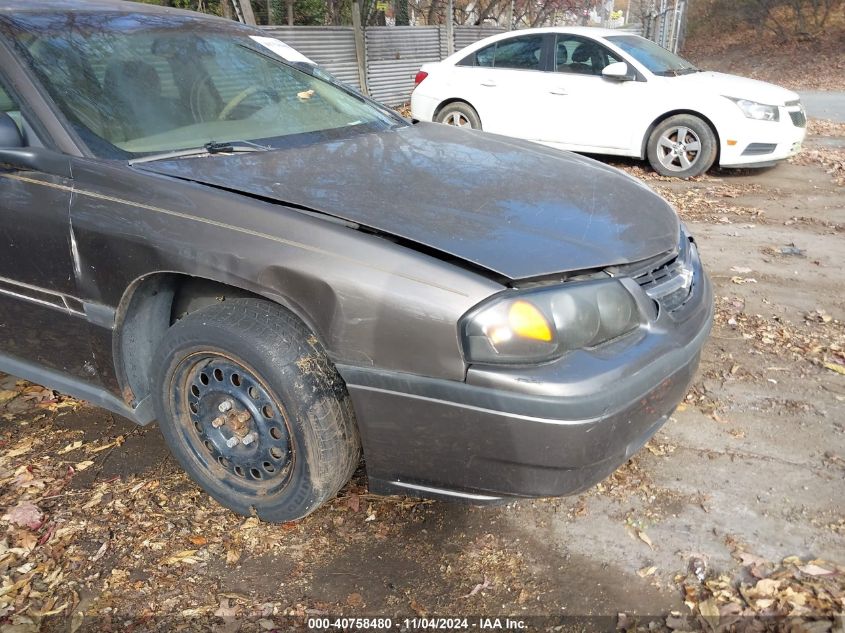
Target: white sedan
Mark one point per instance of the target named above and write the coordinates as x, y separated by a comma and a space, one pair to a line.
609, 92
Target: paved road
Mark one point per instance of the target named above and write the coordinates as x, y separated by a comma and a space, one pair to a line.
825, 105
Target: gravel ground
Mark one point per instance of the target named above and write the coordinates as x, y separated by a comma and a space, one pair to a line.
735, 508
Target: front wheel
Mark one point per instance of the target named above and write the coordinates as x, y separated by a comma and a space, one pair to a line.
459, 114
682, 146
253, 410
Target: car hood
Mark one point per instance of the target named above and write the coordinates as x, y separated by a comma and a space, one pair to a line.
735, 86
512, 207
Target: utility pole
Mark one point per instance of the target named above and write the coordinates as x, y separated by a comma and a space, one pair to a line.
450, 30
510, 15
360, 50
269, 12
244, 10
290, 12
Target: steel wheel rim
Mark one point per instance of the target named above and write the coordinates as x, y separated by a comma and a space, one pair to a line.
678, 148
456, 118
262, 457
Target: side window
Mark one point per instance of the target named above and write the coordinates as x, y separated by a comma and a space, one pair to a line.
523, 53
8, 105
581, 56
520, 52
485, 56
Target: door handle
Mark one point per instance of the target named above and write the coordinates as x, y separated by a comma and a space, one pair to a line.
558, 91
488, 83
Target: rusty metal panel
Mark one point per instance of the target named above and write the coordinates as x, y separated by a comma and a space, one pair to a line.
394, 55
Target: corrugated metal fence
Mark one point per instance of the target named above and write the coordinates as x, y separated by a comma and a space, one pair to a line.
392, 54
329, 46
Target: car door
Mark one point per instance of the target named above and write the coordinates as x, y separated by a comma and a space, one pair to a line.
41, 319
500, 82
584, 108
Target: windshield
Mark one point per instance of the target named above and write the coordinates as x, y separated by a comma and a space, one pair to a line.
656, 58
133, 84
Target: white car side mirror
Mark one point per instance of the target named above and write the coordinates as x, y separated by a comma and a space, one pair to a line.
618, 71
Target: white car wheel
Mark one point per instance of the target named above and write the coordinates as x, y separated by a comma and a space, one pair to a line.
459, 114
682, 146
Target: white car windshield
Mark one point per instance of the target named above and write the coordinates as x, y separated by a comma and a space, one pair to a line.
656, 58
132, 85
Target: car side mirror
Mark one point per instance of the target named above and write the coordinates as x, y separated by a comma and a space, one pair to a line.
10, 133
15, 154
618, 71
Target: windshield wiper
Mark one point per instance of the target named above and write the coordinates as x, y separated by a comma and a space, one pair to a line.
212, 147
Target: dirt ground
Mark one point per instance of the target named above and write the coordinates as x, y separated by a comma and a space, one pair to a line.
736, 507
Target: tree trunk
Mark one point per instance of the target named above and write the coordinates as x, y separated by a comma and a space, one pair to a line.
402, 13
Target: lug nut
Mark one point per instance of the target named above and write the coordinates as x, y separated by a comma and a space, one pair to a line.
243, 416
225, 406
232, 442
218, 422
249, 439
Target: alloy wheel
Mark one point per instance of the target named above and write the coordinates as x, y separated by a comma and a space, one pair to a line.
458, 119
678, 148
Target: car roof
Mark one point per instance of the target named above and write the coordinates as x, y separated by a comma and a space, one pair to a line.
89, 6
574, 30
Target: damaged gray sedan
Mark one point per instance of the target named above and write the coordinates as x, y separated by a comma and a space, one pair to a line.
202, 231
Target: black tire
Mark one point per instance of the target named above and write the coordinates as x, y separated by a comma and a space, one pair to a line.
266, 363
456, 112
670, 155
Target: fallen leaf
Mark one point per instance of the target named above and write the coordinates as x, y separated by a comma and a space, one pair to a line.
355, 600
766, 588
7, 394
232, 556
71, 447
26, 515
100, 552
118, 441
22, 447
839, 369
815, 570
644, 538
646, 571
185, 556
199, 541
83, 465
710, 612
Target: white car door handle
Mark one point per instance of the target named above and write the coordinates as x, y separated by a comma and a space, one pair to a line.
489, 83
558, 91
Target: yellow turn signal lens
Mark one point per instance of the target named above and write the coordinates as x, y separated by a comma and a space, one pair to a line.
527, 321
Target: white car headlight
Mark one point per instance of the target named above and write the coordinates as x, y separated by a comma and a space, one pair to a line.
757, 111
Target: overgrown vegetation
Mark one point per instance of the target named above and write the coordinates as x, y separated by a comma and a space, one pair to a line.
784, 19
